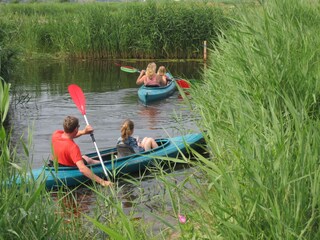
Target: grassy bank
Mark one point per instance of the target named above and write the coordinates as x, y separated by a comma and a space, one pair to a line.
28, 210
162, 30
260, 107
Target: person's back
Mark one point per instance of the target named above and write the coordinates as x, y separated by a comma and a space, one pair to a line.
149, 77
127, 129
65, 149
161, 74
132, 142
153, 81
67, 153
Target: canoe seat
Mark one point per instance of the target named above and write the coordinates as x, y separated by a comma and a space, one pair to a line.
124, 150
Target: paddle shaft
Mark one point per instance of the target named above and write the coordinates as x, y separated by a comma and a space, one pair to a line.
79, 99
97, 150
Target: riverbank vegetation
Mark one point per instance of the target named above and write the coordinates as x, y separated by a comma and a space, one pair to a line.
140, 30
28, 210
259, 108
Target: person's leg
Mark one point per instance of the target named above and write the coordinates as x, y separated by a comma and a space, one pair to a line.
145, 143
148, 143
153, 143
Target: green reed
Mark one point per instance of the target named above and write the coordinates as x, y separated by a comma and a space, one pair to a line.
260, 108
163, 29
19, 207
111, 218
148, 218
27, 208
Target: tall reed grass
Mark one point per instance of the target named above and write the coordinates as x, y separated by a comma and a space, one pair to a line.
146, 30
28, 210
7, 55
260, 108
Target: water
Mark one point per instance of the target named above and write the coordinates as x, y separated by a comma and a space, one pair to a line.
40, 101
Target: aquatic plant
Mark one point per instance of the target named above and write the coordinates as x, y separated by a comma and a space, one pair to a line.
27, 208
164, 29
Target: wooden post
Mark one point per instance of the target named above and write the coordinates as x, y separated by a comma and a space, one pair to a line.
205, 51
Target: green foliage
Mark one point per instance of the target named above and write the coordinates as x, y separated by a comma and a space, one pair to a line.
7, 51
259, 106
4, 100
27, 210
151, 29
115, 222
259, 109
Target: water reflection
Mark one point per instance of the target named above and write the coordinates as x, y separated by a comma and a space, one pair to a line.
143, 194
151, 113
151, 196
72, 204
40, 100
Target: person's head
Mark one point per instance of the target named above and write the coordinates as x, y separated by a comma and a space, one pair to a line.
151, 69
127, 128
162, 71
70, 124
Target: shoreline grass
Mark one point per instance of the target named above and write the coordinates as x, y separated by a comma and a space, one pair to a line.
28, 210
150, 30
259, 109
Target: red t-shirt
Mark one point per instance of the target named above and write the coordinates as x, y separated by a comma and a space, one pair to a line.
65, 150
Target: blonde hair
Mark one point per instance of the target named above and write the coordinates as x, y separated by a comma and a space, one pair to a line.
162, 71
126, 129
151, 69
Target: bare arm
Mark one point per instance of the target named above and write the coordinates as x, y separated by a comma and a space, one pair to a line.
87, 130
163, 80
140, 79
89, 174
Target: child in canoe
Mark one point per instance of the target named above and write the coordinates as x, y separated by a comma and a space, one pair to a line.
127, 129
162, 74
149, 77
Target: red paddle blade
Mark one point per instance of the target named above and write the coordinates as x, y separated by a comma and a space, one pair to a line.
78, 97
183, 83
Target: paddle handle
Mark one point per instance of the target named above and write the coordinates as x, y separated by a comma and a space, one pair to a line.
91, 134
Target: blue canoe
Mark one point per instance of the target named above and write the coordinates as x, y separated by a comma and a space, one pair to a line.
71, 176
151, 94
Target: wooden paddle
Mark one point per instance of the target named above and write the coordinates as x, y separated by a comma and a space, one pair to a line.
181, 82
79, 99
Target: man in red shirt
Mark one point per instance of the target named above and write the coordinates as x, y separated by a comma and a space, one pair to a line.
68, 153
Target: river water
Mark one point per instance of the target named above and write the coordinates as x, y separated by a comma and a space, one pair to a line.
40, 101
